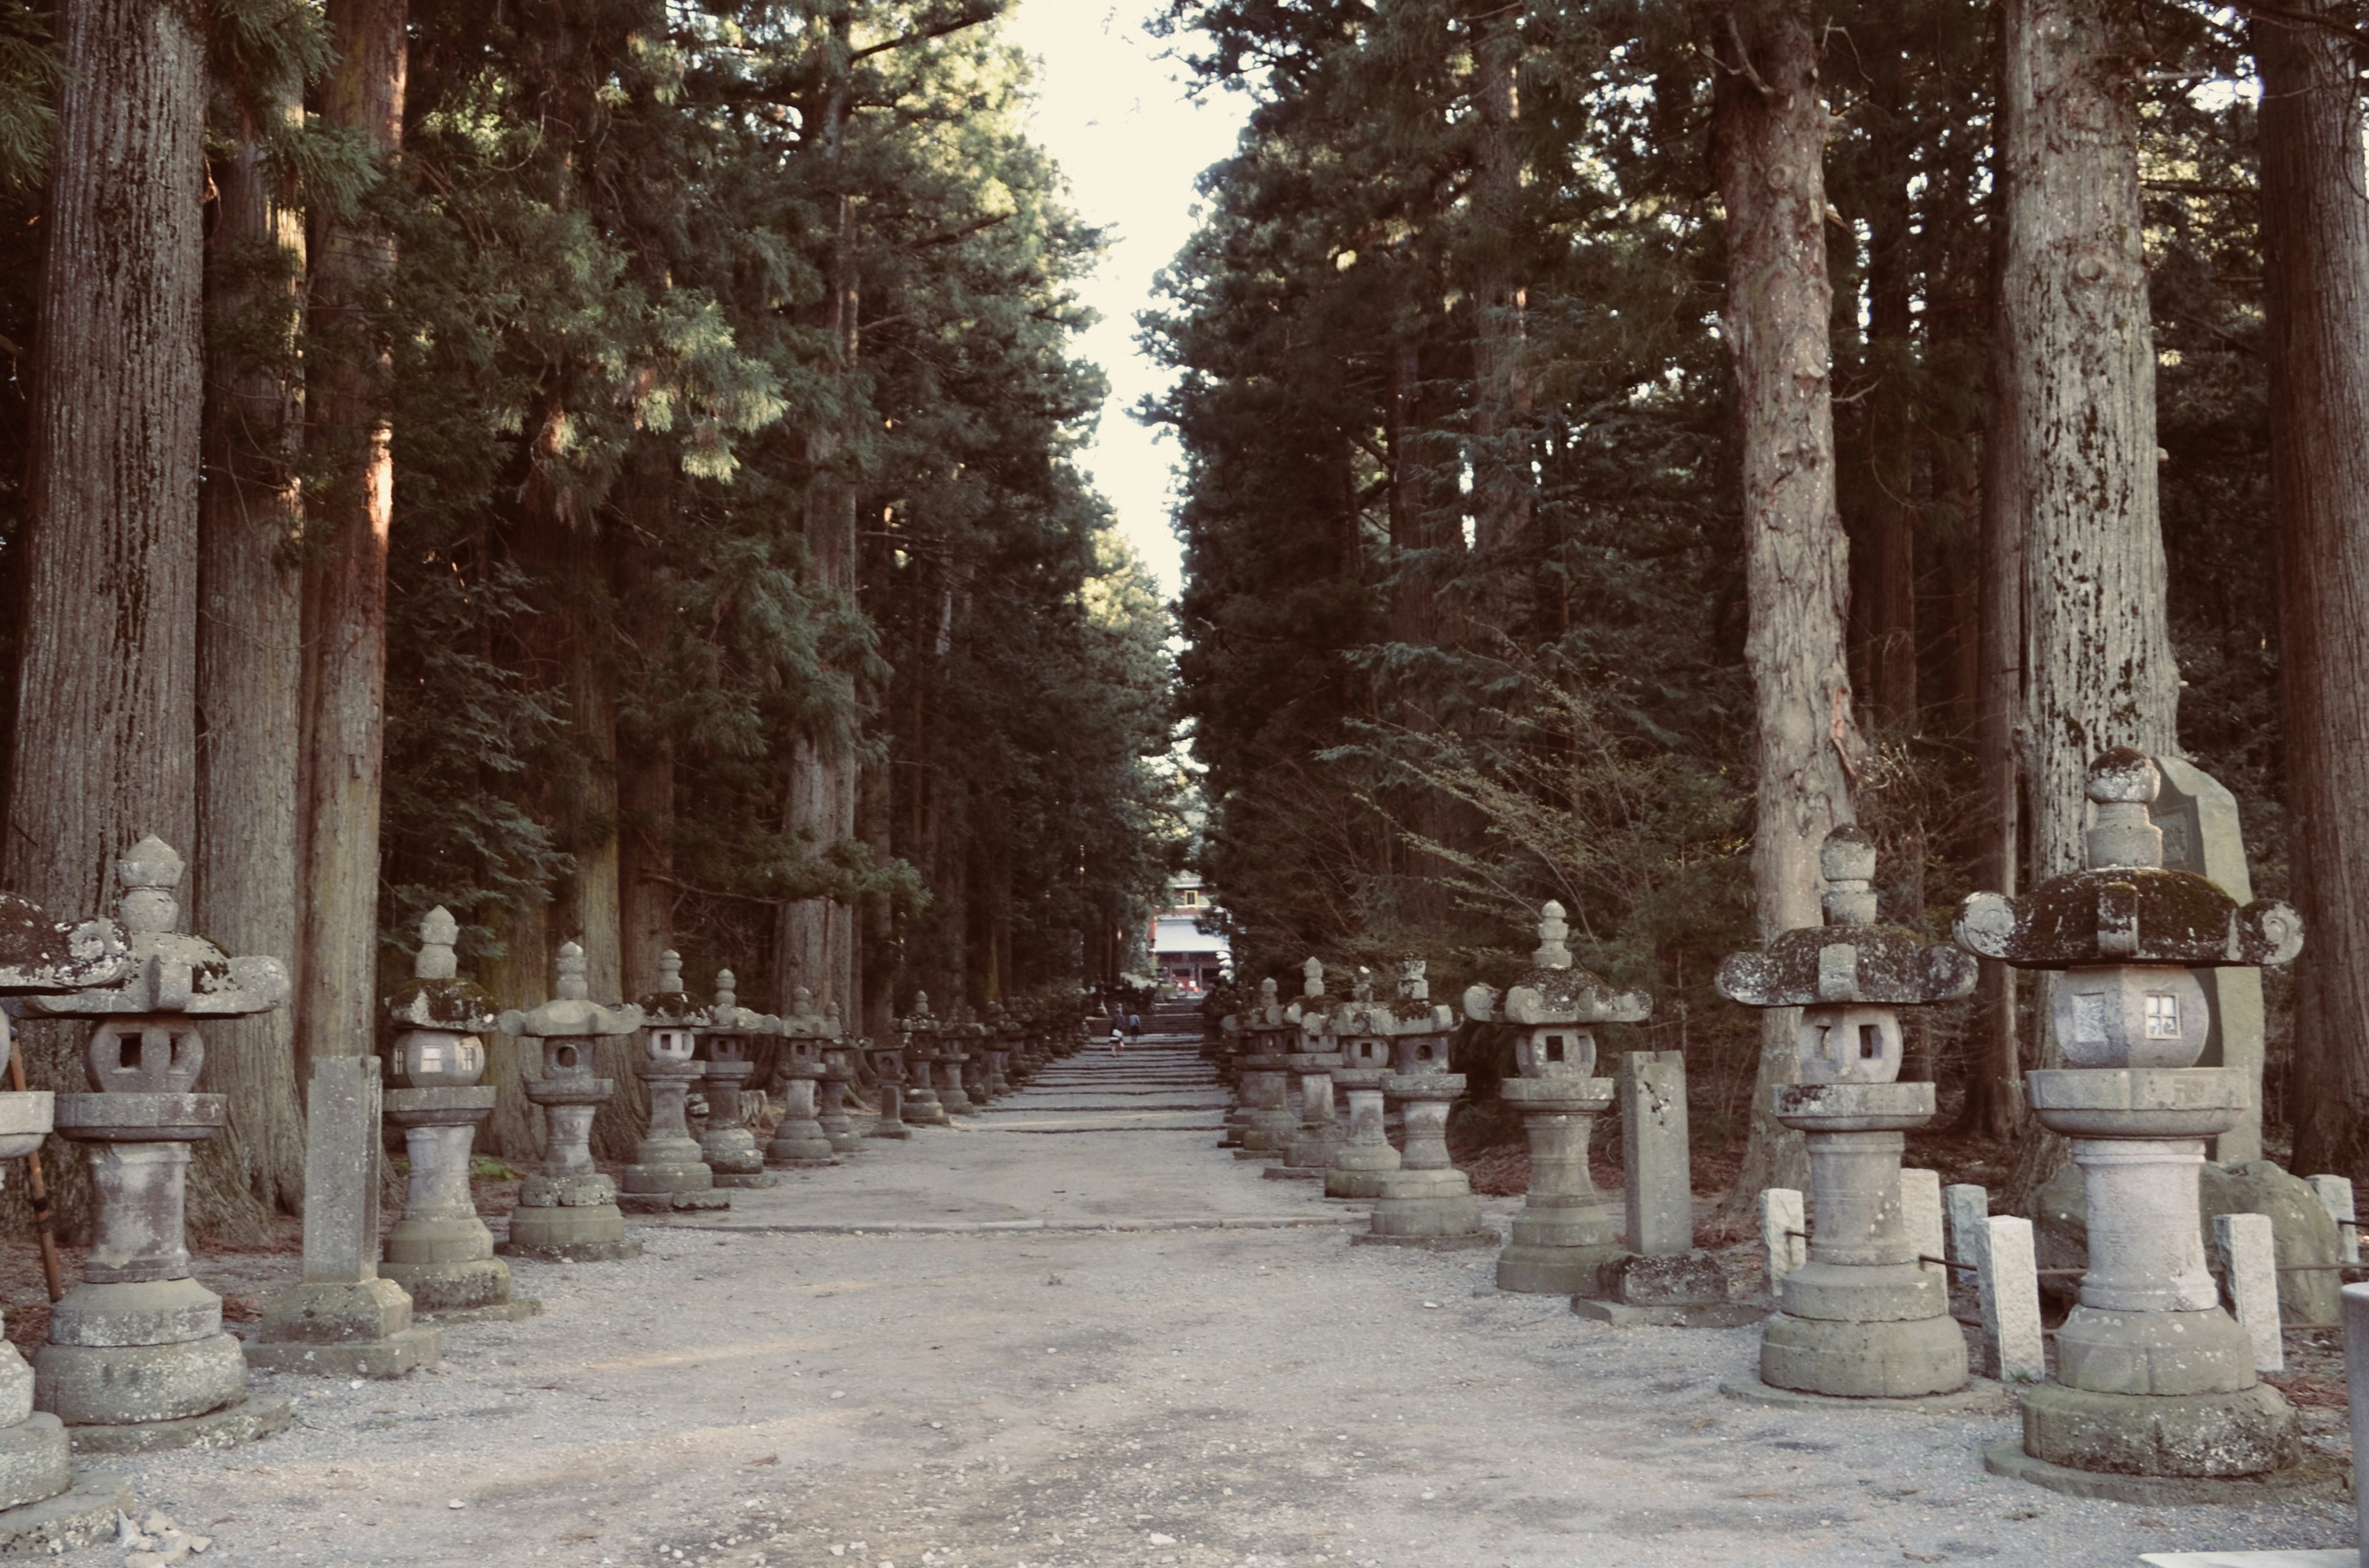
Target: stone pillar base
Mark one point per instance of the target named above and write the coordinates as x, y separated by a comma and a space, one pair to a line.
1980, 1396
242, 1420
33, 1463
747, 1180
797, 1145
123, 1385
345, 1329
697, 1200
1428, 1204
571, 1233
1357, 1183
1863, 1360
884, 1127
79, 1512
1549, 1270
2221, 1436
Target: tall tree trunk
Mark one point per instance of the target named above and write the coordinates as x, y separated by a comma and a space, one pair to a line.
106, 742
250, 668
1502, 491
2316, 234
1892, 420
519, 978
814, 947
346, 595
2080, 351
1768, 141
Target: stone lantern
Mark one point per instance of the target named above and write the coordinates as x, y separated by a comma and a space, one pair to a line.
837, 1075
923, 1107
729, 1145
668, 1173
43, 1504
888, 1072
441, 1251
1426, 1202
1268, 1125
137, 1359
954, 1053
2152, 1378
798, 1141
568, 1212
1863, 1317
1565, 1236
1362, 1037
1310, 1153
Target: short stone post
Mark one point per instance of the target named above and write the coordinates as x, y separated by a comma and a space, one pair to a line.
2152, 1378
729, 1144
441, 1251
44, 1504
1361, 1035
1656, 1153
798, 1141
921, 1106
2353, 1303
1921, 1221
1310, 1153
568, 1212
2008, 1289
667, 1173
1865, 1316
1784, 1234
1426, 1202
1964, 1207
888, 1070
2248, 1261
2334, 1195
1567, 1233
137, 1359
1001, 1038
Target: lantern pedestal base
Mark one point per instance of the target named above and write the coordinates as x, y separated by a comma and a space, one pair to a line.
2315, 1477
1979, 1397
82, 1514
1902, 1359
257, 1415
2250, 1433
345, 1329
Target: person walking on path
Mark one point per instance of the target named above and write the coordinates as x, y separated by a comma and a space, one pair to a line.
1135, 1026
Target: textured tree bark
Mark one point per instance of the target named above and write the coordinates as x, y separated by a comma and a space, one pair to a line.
815, 946
1767, 143
2098, 669
107, 665
1503, 488
2316, 234
521, 977
345, 614
250, 668
1891, 574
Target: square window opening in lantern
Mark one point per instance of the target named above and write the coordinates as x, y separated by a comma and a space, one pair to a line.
2162, 1016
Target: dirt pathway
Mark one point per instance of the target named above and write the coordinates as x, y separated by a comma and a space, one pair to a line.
803, 1382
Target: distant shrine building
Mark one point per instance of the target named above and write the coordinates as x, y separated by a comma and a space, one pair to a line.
1188, 959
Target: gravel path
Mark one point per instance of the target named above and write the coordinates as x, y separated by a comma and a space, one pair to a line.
758, 1391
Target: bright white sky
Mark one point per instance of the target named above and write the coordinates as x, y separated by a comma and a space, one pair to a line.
1114, 116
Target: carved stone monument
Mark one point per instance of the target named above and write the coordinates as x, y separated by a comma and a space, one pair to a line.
1567, 1233
668, 1173
1863, 1317
137, 1359
2152, 1378
568, 1212
441, 1251
729, 1144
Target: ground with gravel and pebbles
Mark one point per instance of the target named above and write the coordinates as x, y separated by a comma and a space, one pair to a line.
1089, 1365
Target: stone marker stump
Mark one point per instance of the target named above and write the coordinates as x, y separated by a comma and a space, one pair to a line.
1426, 1202
137, 1359
1365, 1155
1864, 1317
344, 1318
568, 1212
46, 1505
1662, 1279
440, 1252
668, 1173
729, 1144
2155, 1383
798, 1141
1309, 1154
1566, 1235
